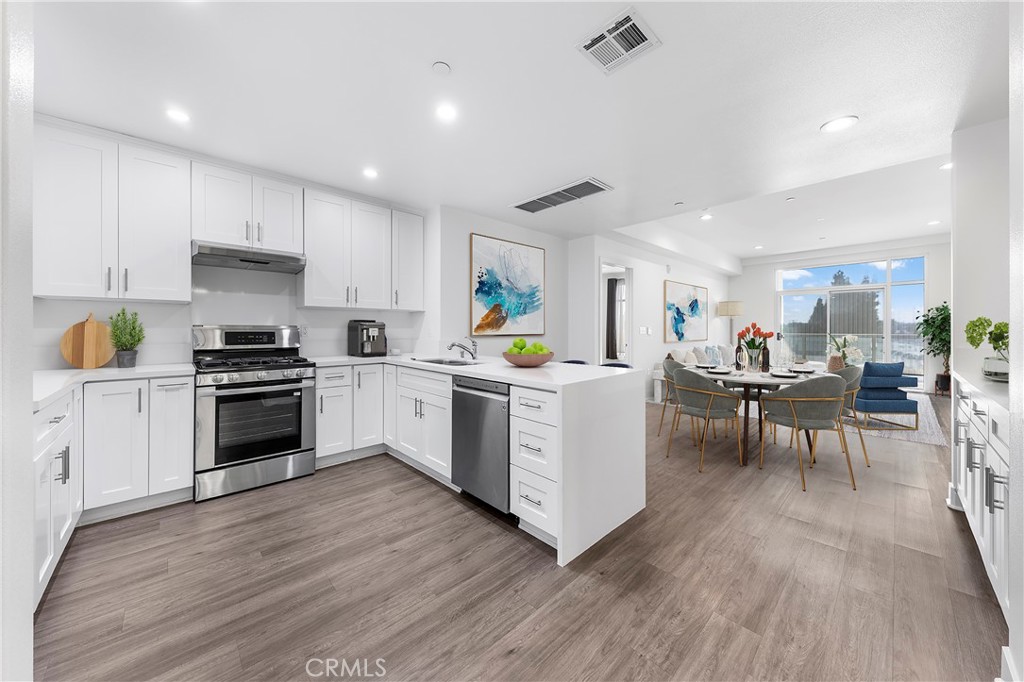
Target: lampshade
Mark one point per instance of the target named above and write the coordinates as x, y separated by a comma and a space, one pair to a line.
730, 308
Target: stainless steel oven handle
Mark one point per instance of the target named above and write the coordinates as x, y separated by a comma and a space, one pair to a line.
212, 390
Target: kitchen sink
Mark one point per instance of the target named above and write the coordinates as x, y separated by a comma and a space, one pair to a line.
451, 362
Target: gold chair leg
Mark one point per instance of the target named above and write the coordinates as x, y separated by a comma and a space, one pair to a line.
693, 430
856, 420
664, 406
703, 441
714, 429
800, 459
791, 432
760, 415
739, 442
846, 451
814, 447
672, 427
775, 434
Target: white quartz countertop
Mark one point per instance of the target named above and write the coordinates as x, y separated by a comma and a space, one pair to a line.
49, 384
997, 391
547, 377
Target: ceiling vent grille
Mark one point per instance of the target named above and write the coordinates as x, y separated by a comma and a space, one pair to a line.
618, 42
574, 192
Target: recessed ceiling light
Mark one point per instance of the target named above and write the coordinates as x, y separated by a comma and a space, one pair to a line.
790, 198
370, 172
821, 238
837, 124
178, 116
758, 247
821, 220
946, 166
441, 68
680, 203
447, 112
933, 222
705, 215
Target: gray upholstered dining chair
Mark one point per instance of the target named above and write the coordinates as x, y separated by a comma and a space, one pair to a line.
811, 405
852, 375
702, 398
669, 366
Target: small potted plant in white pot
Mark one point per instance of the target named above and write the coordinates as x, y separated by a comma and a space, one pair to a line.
126, 333
981, 329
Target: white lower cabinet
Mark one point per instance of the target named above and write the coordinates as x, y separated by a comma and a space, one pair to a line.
334, 412
368, 405
534, 499
116, 442
58, 489
171, 434
423, 428
390, 404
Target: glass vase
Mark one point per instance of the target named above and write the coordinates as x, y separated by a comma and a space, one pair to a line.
753, 359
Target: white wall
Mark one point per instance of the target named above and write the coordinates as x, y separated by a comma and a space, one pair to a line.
756, 287
649, 272
981, 268
456, 280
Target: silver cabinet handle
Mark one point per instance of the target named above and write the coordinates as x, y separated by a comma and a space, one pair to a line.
140, 401
359, 379
531, 500
58, 420
523, 403
66, 464
259, 232
60, 476
184, 383
396, 296
957, 440
357, 295
346, 293
530, 447
126, 280
247, 231
971, 447
321, 404
110, 274
331, 377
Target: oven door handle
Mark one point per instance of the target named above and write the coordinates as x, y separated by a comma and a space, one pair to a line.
213, 390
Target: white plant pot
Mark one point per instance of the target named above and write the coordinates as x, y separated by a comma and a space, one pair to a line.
996, 369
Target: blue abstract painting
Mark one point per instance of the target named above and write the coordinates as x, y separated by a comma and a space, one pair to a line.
507, 287
686, 312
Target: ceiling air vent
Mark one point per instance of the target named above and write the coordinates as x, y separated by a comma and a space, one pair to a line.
573, 192
618, 42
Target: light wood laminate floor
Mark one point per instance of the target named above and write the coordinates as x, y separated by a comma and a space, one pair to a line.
731, 574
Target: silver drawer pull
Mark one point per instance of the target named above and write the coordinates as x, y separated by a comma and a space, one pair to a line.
523, 403
335, 376
58, 420
531, 500
971, 447
184, 383
530, 447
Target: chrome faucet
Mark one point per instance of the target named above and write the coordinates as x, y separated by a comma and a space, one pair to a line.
463, 348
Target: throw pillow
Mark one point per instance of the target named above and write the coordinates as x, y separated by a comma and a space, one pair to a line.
702, 357
714, 355
728, 354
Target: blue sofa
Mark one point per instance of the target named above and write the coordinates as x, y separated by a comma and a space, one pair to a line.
881, 392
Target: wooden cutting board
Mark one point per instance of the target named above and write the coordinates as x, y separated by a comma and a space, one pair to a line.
86, 345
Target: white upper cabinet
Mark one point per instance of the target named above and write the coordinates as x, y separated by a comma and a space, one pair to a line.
155, 258
74, 227
277, 213
406, 261
371, 256
221, 205
326, 281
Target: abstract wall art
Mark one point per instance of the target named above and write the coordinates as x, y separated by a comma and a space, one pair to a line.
686, 312
507, 287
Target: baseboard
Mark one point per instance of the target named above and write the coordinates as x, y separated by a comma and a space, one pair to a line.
541, 535
425, 470
953, 499
113, 511
350, 456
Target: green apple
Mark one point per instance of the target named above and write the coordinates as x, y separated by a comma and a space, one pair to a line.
519, 343
529, 351
514, 351
538, 345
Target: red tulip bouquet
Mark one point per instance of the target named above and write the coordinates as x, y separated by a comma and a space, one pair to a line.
755, 342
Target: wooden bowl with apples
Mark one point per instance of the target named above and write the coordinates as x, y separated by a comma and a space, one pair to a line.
523, 354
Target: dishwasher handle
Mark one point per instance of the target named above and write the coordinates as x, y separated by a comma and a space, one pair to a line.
483, 394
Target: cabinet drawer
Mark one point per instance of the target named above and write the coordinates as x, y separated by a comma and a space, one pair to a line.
999, 430
538, 406
328, 377
535, 447
534, 499
434, 383
50, 420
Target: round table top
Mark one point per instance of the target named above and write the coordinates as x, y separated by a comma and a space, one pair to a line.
756, 378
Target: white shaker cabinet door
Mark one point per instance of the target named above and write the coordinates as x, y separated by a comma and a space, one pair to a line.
436, 415
74, 215
171, 433
368, 405
116, 442
221, 205
408, 425
371, 256
154, 226
333, 421
406, 261
326, 280
277, 213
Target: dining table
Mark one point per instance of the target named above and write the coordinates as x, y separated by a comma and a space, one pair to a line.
752, 381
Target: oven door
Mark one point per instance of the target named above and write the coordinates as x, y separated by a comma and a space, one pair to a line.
242, 424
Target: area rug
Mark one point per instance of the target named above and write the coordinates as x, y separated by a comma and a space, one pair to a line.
929, 431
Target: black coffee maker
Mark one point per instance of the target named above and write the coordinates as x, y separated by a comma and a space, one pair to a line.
366, 339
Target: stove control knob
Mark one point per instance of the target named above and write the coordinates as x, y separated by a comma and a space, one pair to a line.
233, 377
286, 373
217, 378
300, 372
261, 375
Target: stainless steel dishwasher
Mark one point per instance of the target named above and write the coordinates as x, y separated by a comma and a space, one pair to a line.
480, 439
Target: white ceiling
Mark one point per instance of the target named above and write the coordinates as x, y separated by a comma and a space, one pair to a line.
726, 109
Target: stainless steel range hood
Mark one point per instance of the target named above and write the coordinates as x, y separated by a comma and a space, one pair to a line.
219, 255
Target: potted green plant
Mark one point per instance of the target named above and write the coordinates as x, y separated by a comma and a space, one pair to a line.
981, 329
126, 333
935, 329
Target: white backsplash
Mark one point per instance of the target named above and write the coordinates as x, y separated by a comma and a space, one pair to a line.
221, 296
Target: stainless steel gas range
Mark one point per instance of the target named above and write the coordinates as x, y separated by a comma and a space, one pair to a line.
255, 408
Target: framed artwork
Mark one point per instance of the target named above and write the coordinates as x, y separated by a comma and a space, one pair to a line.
506, 287
686, 312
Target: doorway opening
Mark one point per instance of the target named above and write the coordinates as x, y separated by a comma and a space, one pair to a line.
616, 313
